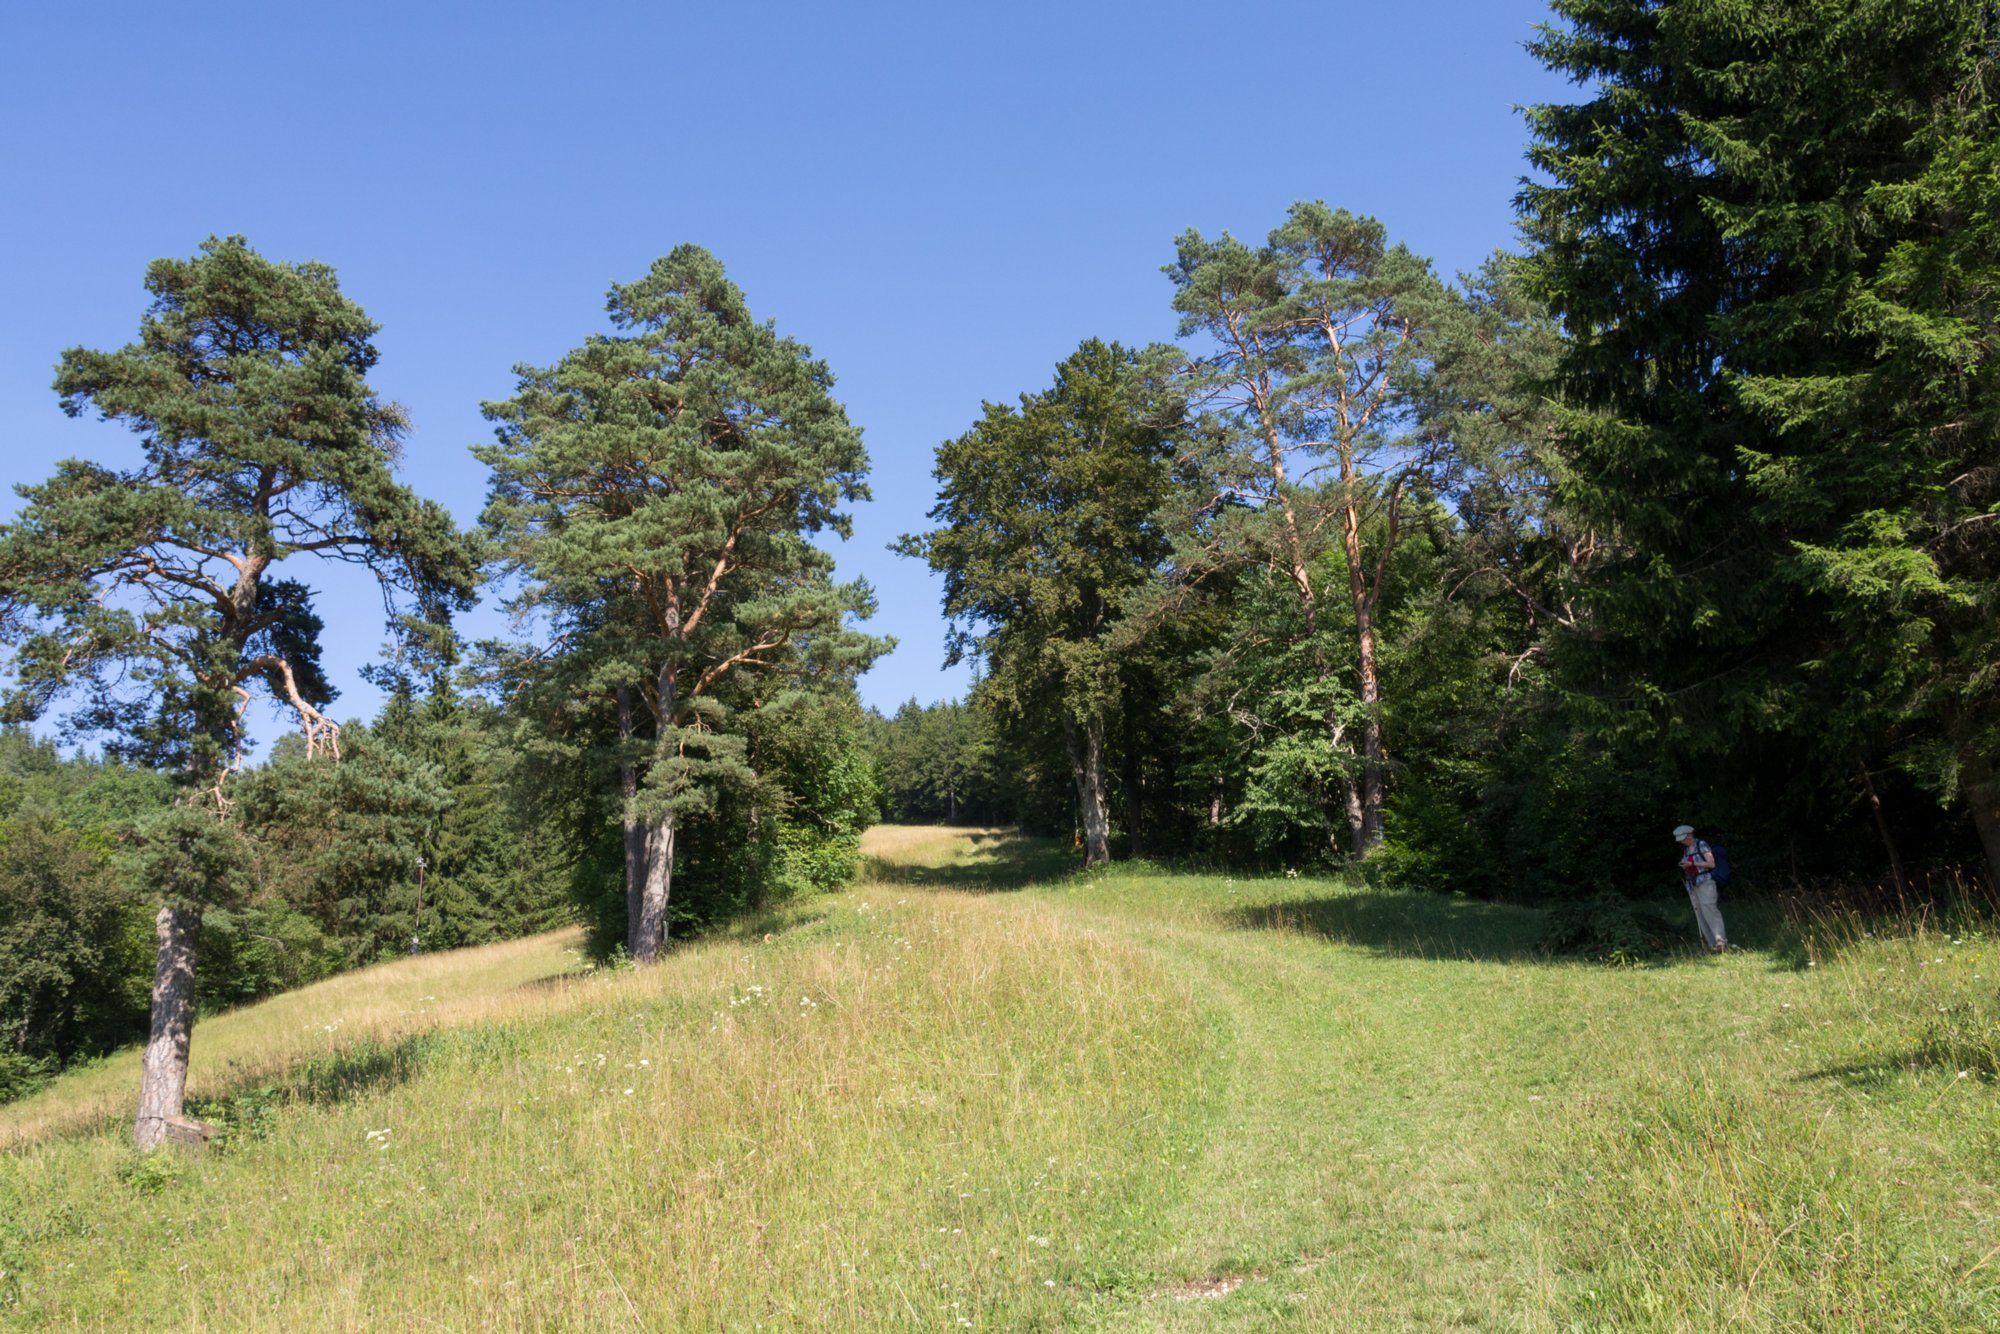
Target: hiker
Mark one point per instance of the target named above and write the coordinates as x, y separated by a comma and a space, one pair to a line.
1698, 873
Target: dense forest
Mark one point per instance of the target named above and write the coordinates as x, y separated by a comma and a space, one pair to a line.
1685, 513
1689, 510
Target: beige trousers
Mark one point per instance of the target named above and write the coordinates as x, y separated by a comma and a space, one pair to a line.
1706, 915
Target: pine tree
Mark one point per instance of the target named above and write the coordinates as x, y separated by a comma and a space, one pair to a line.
150, 594
1308, 344
658, 489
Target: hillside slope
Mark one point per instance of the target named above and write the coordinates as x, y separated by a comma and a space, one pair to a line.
969, 1095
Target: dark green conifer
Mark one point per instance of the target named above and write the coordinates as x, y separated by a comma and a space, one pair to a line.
1049, 517
1770, 233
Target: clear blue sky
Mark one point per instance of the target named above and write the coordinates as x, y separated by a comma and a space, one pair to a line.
941, 199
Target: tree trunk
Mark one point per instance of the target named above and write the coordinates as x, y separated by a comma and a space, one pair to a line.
652, 933
1368, 832
1357, 819
1882, 828
1982, 794
163, 1078
1135, 803
635, 831
1086, 762
1370, 837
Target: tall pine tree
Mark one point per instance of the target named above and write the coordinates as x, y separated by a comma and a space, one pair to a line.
658, 490
1307, 345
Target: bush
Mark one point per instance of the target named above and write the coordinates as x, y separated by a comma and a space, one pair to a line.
1609, 928
64, 921
21, 1075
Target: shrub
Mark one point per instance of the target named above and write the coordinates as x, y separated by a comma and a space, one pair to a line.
1609, 928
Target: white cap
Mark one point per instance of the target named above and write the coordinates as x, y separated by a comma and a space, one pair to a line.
1682, 831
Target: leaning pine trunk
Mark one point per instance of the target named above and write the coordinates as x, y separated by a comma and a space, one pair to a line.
1368, 836
163, 1081
1370, 833
1882, 828
1350, 791
652, 932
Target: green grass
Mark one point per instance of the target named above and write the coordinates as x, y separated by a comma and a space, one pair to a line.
977, 1093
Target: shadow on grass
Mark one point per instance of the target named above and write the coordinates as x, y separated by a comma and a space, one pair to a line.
1405, 924
248, 1108
773, 923
1000, 862
564, 978
1959, 1040
1402, 924
1926, 1058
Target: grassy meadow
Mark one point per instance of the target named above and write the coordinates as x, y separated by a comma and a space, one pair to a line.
980, 1092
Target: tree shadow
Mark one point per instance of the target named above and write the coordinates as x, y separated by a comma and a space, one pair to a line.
1403, 924
554, 981
1419, 925
247, 1107
1870, 1075
772, 923
1000, 863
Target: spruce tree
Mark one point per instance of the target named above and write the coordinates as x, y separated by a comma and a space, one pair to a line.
1769, 232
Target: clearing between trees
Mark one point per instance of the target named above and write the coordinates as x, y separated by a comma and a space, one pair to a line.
978, 1092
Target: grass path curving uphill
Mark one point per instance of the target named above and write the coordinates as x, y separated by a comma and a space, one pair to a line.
980, 1091
1423, 1122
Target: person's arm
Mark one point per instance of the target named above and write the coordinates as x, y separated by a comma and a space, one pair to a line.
1704, 858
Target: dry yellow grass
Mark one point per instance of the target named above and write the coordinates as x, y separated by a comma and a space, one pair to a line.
540, 974
383, 1004
927, 845
903, 1109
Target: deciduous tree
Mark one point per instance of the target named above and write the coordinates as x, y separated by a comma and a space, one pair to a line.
1049, 523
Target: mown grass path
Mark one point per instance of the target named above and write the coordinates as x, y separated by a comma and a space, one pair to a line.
1424, 1122
983, 1091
